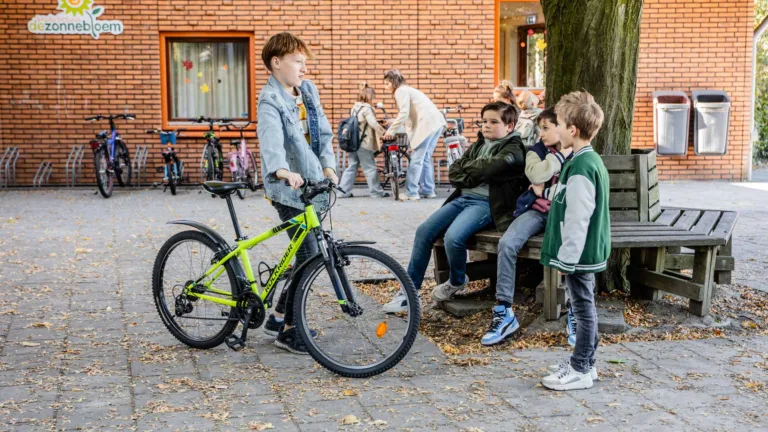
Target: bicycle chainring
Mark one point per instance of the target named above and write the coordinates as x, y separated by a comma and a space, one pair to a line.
258, 313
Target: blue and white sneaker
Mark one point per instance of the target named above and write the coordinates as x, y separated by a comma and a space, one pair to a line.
502, 326
570, 326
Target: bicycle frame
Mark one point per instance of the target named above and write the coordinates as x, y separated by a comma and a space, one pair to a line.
306, 222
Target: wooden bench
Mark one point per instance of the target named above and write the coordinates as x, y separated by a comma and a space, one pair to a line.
655, 237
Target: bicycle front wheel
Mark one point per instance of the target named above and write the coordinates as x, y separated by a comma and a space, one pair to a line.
123, 167
101, 168
368, 341
395, 177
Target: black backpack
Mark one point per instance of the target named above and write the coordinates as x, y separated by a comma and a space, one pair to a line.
349, 135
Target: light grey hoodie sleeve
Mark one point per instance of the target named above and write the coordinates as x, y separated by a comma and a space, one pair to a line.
580, 204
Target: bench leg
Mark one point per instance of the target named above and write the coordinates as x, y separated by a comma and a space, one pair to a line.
724, 277
551, 285
651, 259
442, 269
704, 274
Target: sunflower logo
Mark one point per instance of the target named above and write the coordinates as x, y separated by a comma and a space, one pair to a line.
75, 7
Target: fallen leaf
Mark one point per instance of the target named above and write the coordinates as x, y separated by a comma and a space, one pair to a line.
30, 344
617, 361
379, 423
595, 420
615, 404
41, 324
350, 419
75, 389
351, 393
257, 426
163, 386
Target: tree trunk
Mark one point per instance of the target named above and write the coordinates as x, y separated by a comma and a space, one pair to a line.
592, 45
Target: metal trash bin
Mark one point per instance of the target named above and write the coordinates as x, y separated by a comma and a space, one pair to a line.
712, 114
671, 112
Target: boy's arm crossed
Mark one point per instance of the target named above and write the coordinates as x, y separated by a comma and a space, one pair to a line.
539, 171
580, 204
509, 160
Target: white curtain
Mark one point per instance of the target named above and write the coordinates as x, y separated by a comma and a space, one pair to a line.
208, 79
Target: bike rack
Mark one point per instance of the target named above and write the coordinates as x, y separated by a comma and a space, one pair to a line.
140, 163
74, 165
8, 166
341, 159
43, 174
440, 164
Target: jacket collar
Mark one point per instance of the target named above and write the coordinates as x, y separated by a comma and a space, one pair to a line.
275, 84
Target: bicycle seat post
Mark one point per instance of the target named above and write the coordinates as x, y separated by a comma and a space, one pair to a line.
238, 234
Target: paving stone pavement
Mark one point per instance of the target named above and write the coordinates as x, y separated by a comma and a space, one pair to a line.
82, 347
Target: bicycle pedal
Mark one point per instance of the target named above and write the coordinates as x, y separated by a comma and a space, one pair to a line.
234, 343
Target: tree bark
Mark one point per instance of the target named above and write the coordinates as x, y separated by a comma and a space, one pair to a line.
592, 45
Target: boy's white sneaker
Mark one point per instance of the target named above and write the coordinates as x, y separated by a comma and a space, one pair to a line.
567, 378
556, 367
446, 290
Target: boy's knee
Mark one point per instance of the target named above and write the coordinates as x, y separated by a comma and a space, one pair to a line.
510, 244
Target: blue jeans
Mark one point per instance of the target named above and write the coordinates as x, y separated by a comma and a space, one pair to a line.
581, 290
524, 227
456, 222
420, 177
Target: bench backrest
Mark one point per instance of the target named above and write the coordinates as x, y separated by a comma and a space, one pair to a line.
634, 186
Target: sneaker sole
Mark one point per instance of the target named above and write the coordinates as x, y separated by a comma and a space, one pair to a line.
289, 349
593, 372
580, 385
503, 337
393, 311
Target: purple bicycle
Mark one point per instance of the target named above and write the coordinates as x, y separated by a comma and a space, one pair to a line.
242, 163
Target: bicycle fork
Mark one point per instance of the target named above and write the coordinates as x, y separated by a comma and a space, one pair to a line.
334, 265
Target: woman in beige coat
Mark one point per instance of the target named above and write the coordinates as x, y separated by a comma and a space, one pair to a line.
371, 132
424, 124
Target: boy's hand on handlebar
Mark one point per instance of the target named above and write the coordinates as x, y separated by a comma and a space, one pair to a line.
330, 174
293, 179
388, 137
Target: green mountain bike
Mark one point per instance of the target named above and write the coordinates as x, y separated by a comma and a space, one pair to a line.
204, 288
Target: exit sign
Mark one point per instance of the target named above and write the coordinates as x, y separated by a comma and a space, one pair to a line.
530, 19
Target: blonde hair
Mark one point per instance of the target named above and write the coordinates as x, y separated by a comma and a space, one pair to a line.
366, 93
527, 100
580, 109
505, 90
282, 44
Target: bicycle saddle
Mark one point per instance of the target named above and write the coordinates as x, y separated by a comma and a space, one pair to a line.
101, 135
223, 188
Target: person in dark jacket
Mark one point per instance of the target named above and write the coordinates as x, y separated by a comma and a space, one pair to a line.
488, 179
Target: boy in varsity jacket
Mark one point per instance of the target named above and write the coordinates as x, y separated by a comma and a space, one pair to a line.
577, 240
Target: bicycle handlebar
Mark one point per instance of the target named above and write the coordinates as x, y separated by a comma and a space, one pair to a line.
161, 132
240, 128
311, 189
111, 117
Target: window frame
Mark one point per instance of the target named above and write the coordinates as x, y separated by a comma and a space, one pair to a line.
165, 91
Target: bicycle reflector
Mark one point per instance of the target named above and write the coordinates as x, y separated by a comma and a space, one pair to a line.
392, 148
381, 329
95, 144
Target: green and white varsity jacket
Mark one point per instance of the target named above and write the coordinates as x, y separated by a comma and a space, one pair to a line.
578, 234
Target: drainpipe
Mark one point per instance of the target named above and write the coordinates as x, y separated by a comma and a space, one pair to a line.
756, 37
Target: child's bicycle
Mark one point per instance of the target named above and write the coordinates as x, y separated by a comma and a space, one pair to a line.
212, 160
111, 159
173, 168
455, 143
242, 163
203, 288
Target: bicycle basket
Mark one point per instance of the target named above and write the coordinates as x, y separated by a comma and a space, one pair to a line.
168, 138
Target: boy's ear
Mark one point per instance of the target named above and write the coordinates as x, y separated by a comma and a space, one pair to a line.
275, 62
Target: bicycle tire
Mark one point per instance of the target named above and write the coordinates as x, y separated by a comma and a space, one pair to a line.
414, 313
394, 179
123, 165
166, 315
207, 165
103, 179
237, 177
253, 172
172, 180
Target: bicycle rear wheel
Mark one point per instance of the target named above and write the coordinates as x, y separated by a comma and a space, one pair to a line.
101, 168
394, 178
253, 172
371, 342
196, 322
207, 165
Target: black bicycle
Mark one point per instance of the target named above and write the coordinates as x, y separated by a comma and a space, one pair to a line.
111, 159
396, 159
173, 167
212, 161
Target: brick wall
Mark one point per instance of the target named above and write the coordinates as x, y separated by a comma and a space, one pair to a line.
695, 45
445, 48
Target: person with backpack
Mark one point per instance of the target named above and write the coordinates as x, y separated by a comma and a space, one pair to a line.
360, 136
529, 111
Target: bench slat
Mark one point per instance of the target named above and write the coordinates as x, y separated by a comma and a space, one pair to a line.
624, 215
623, 200
654, 211
653, 195
687, 220
619, 163
626, 180
653, 177
725, 226
667, 241
685, 261
707, 222
636, 228
668, 216
659, 233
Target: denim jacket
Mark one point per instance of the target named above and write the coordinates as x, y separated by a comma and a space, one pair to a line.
283, 145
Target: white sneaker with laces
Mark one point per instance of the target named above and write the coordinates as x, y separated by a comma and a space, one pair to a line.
410, 198
428, 196
446, 290
556, 367
567, 378
398, 304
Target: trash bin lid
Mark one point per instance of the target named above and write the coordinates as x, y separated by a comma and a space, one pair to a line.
711, 98
670, 97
